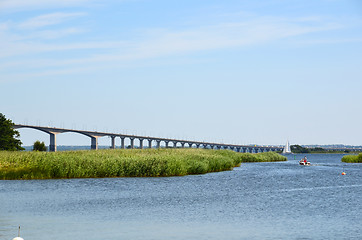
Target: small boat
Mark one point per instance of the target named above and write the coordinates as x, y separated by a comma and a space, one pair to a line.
304, 163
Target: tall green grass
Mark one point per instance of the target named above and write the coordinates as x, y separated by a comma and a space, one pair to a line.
352, 158
262, 157
122, 163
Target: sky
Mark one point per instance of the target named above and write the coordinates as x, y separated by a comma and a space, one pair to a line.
236, 71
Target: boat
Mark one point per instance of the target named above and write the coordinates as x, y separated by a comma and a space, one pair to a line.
18, 237
286, 149
304, 163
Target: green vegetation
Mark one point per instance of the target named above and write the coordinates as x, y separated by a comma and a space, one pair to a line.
352, 158
122, 163
8, 136
262, 157
39, 146
300, 149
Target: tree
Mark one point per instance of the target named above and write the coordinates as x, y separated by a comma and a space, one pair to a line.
8, 135
299, 149
39, 146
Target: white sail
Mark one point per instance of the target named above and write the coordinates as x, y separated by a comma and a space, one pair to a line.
287, 148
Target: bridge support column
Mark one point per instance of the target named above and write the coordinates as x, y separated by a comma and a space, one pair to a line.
113, 146
218, 147
212, 147
149, 143
141, 143
237, 149
197, 145
94, 143
174, 144
166, 144
122, 142
53, 142
132, 143
183, 145
158, 143
190, 145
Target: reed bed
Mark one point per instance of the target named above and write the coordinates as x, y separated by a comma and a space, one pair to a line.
123, 163
352, 158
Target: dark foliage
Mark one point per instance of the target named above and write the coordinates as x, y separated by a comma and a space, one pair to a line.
39, 146
8, 135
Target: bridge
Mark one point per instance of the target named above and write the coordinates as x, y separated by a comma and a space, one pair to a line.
94, 135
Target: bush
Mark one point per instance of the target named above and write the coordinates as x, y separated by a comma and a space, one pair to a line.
352, 158
39, 146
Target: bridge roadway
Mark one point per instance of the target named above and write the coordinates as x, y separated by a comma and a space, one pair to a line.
94, 135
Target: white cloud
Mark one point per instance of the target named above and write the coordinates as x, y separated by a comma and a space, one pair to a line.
49, 19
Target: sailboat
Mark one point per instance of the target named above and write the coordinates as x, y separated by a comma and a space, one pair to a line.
286, 149
18, 237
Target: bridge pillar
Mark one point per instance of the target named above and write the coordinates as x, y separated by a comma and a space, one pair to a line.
94, 143
174, 144
182, 144
158, 143
113, 146
132, 142
218, 147
237, 149
53, 142
122, 142
190, 144
149, 143
197, 145
204, 145
141, 143
166, 144
212, 146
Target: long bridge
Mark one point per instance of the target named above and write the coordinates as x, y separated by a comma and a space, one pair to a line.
94, 135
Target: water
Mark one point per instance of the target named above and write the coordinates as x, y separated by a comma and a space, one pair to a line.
255, 201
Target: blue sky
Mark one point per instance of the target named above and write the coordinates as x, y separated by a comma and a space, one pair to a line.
226, 71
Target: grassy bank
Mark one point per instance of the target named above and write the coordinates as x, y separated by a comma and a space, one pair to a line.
123, 163
352, 158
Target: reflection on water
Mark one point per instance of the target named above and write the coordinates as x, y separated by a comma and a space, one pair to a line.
255, 201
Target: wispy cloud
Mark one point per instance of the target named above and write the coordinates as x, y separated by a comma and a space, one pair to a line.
39, 4
49, 19
158, 43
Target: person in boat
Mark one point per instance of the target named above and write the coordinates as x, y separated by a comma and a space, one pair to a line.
305, 159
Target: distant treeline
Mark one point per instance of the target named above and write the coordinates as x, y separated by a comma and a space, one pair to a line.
300, 149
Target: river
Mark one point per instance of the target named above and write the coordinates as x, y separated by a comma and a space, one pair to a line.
279, 200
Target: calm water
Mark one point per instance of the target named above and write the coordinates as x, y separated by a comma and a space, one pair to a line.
255, 201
